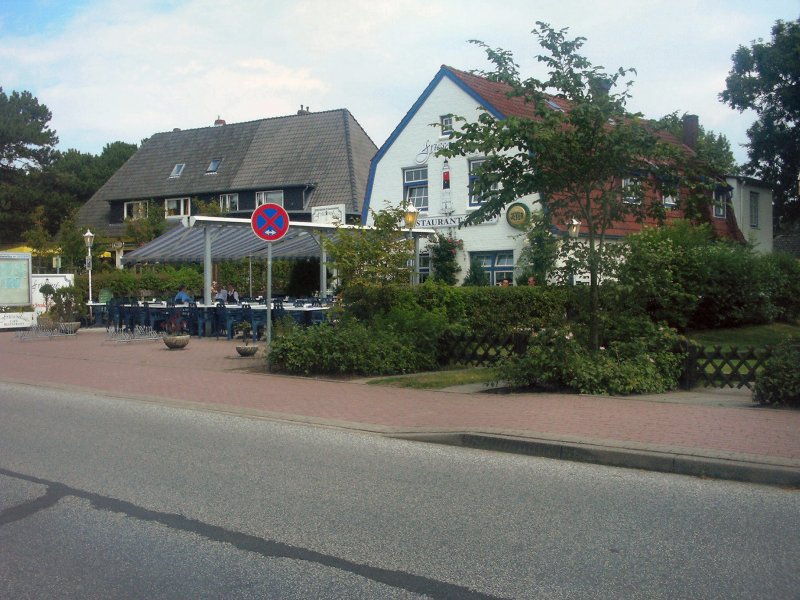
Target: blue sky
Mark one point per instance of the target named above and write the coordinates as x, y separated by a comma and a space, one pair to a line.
123, 69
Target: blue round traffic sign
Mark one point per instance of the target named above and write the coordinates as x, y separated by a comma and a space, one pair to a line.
270, 222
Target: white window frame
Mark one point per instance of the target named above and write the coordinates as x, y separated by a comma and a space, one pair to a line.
213, 166
629, 197
183, 207
754, 206
720, 207
229, 203
135, 210
177, 170
269, 197
446, 125
497, 265
473, 164
415, 187
671, 201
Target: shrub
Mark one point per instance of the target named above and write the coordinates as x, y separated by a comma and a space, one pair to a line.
781, 277
779, 382
639, 357
350, 347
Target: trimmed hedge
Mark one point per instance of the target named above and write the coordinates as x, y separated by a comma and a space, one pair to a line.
779, 382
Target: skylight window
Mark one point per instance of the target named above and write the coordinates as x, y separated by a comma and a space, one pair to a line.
553, 105
177, 170
213, 166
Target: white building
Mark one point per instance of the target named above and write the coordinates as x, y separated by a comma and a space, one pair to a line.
406, 169
751, 200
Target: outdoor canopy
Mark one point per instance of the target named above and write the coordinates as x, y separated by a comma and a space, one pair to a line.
229, 242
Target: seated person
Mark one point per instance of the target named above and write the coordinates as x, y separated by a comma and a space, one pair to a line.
229, 296
182, 297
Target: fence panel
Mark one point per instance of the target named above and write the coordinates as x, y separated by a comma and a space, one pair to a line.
718, 367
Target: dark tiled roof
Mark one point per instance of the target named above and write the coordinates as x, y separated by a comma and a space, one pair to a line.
328, 149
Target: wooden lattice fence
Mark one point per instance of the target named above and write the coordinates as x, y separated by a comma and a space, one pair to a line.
711, 367
718, 367
471, 349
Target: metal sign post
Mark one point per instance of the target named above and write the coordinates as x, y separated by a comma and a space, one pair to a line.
270, 222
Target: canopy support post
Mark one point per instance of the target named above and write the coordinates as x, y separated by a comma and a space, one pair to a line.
207, 266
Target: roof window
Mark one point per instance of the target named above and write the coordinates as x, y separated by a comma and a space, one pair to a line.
177, 170
553, 105
213, 166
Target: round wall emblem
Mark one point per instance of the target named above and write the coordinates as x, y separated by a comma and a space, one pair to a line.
518, 215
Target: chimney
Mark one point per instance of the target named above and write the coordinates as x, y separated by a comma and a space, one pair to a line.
219, 122
691, 129
304, 110
176, 129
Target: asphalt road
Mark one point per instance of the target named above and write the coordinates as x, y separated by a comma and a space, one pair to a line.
109, 498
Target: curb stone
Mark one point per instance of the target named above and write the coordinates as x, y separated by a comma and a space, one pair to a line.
664, 462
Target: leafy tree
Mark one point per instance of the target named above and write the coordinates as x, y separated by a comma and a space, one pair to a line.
593, 161
26, 141
38, 239
764, 78
26, 145
148, 228
377, 256
538, 257
444, 263
713, 149
71, 242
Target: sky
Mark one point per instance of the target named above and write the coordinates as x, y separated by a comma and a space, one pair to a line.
122, 70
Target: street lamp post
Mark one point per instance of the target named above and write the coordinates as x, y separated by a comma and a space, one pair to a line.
88, 238
573, 228
410, 220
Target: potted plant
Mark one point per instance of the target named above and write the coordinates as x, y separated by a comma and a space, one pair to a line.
176, 336
246, 331
63, 313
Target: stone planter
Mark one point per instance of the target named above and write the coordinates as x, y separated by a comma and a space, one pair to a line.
247, 350
176, 342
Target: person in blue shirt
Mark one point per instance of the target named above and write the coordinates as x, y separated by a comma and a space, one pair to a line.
182, 297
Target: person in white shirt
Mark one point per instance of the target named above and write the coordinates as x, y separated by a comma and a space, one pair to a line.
229, 296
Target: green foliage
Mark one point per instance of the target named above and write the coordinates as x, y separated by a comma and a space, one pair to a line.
638, 358
780, 274
733, 292
66, 301
476, 275
506, 309
538, 257
714, 149
148, 228
380, 255
444, 259
779, 382
388, 347
764, 78
26, 141
71, 243
664, 271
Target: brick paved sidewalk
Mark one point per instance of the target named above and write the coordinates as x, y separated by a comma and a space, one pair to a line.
210, 375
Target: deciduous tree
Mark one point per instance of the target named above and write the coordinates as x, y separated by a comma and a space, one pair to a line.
765, 77
592, 161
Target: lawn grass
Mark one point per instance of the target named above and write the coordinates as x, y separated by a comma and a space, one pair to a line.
438, 380
757, 336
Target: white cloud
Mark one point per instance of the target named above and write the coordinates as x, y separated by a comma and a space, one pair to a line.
125, 70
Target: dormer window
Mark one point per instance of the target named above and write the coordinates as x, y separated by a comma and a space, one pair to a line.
177, 170
213, 166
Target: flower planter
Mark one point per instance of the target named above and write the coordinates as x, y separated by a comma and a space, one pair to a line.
247, 350
176, 342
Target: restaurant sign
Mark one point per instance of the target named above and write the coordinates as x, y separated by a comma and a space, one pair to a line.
518, 215
447, 221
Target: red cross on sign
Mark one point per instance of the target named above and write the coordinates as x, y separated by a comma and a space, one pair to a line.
270, 222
